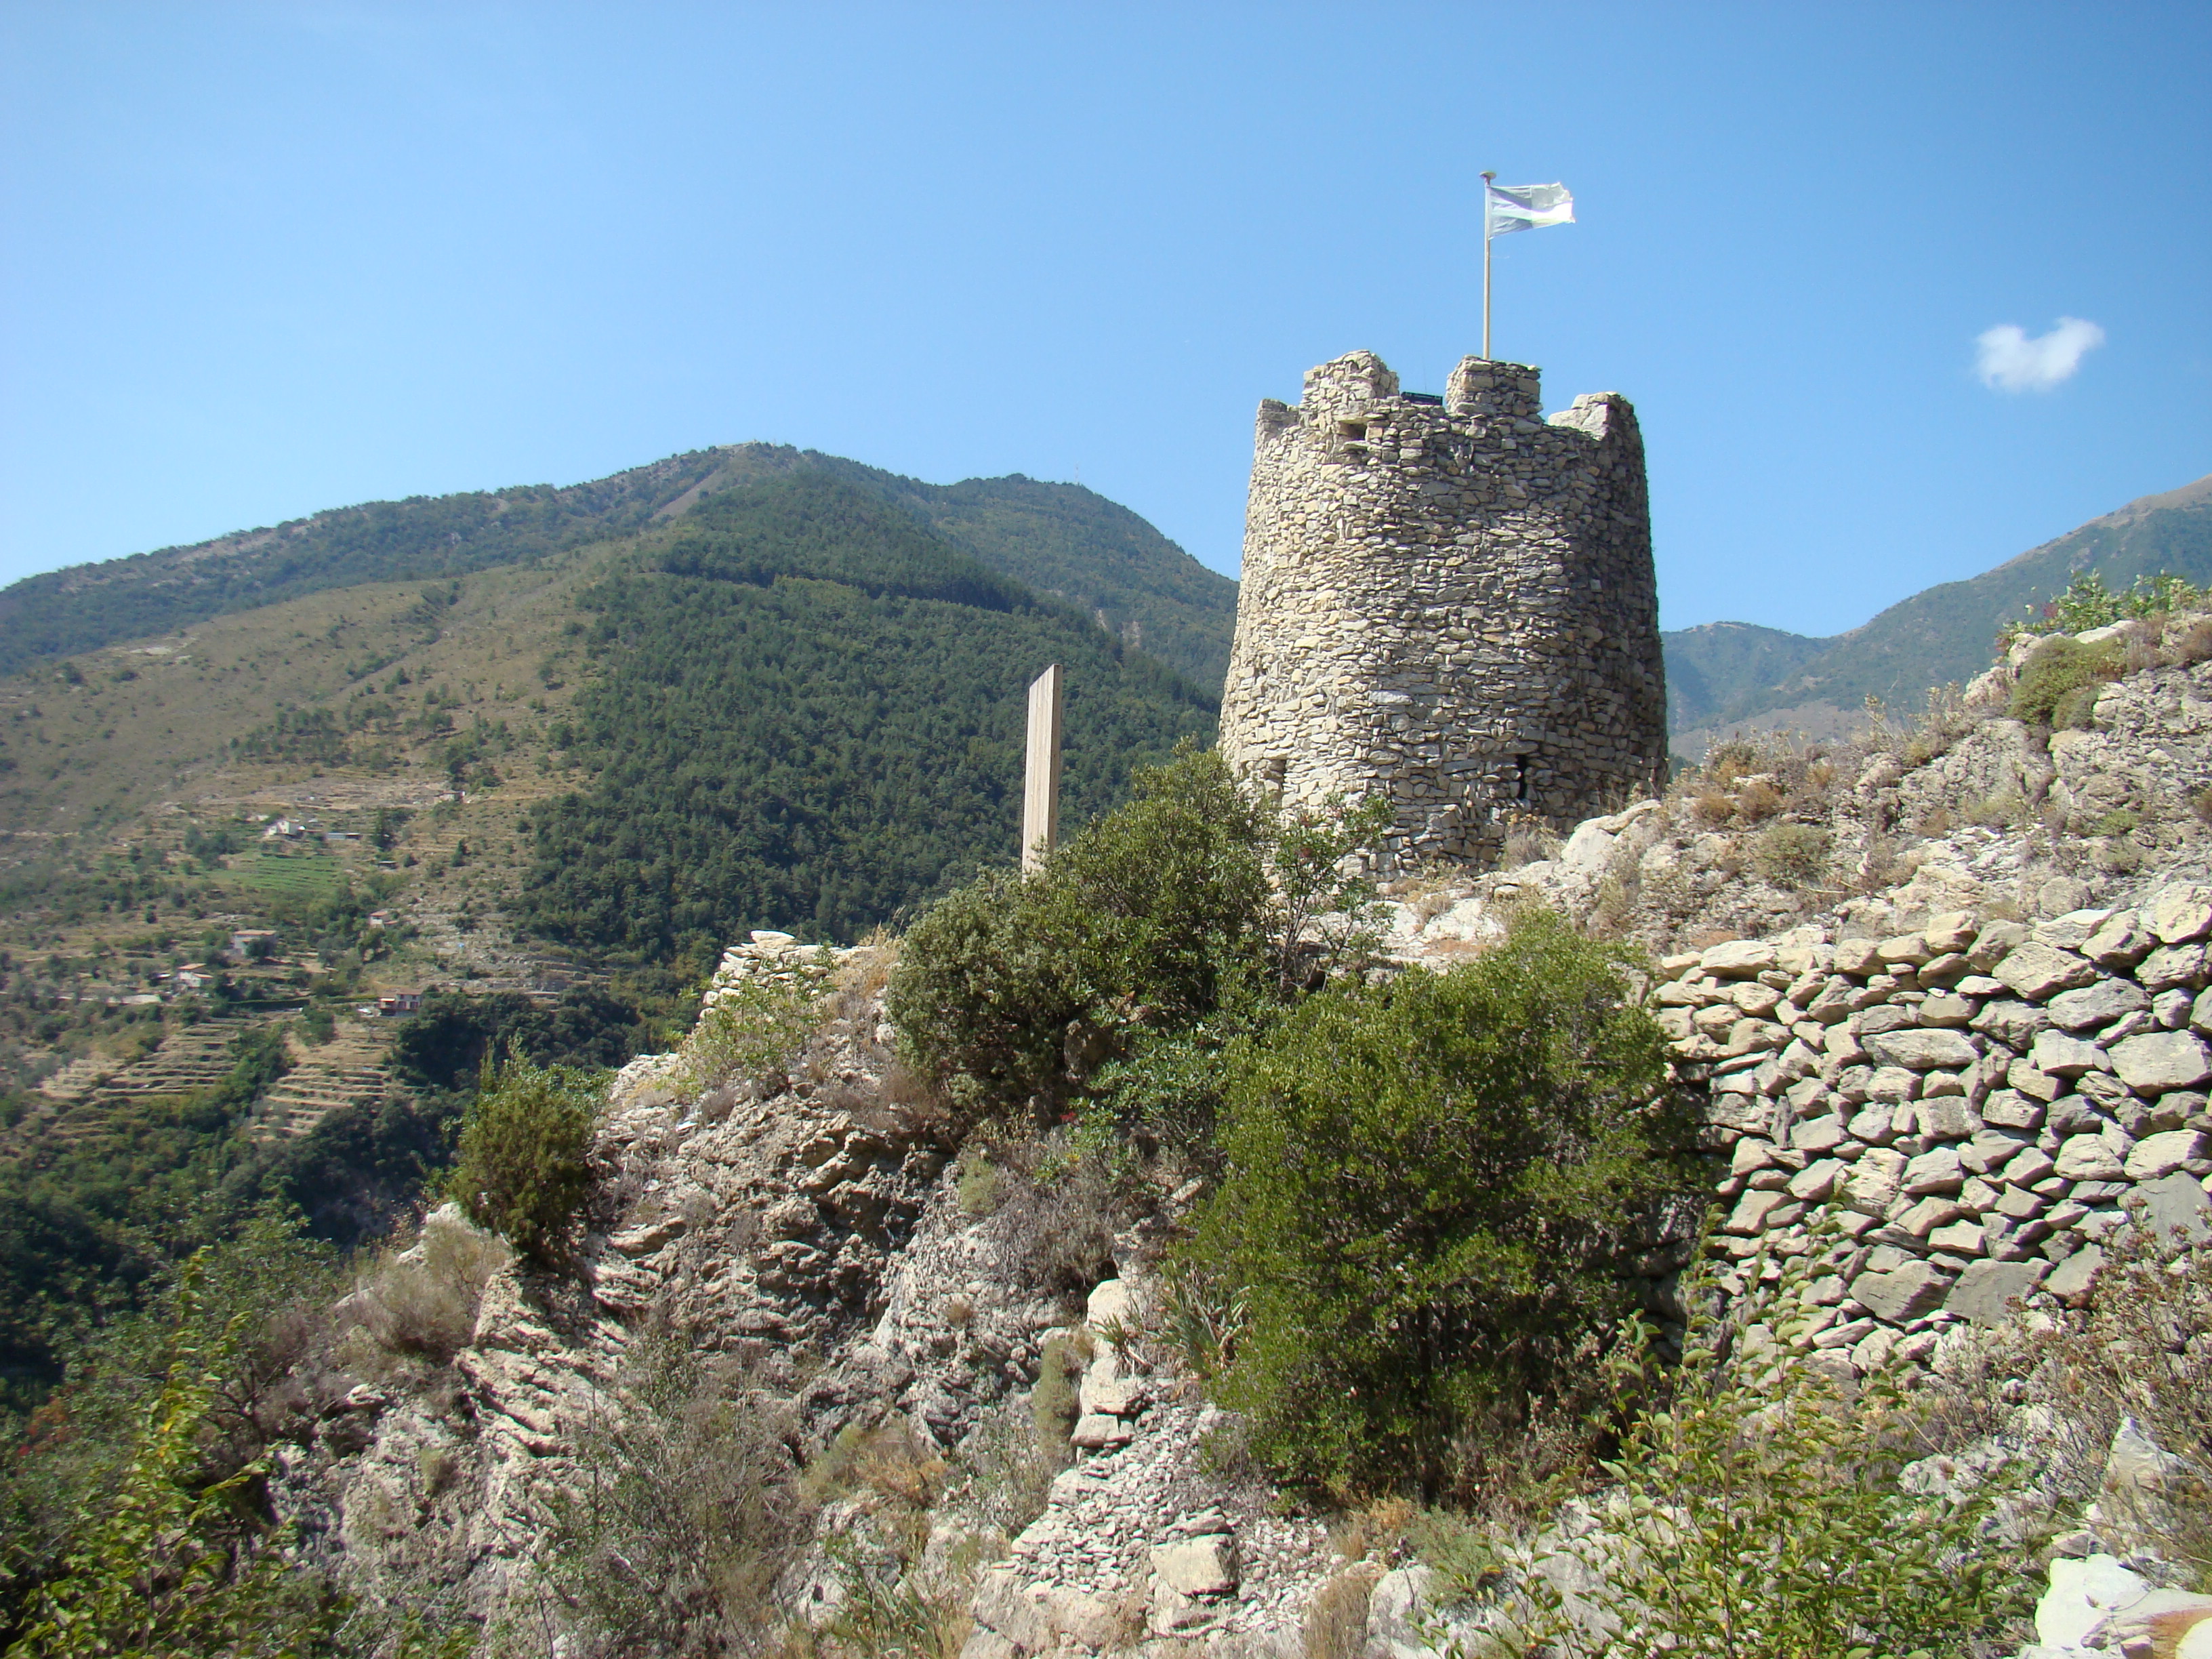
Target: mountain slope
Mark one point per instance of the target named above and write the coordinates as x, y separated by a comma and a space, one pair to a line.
1711, 668
1061, 539
1944, 633
807, 714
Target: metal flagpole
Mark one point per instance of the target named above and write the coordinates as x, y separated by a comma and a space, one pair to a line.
1486, 178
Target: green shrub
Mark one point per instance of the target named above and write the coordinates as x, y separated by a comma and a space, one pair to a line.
1762, 1511
167, 1560
2057, 668
2087, 603
523, 1170
980, 1182
1791, 854
1194, 896
753, 1031
1054, 1400
1431, 1190
683, 1507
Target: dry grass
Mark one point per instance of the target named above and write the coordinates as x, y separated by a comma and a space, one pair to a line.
422, 1301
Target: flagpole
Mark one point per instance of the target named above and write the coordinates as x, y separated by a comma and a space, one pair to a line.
1486, 178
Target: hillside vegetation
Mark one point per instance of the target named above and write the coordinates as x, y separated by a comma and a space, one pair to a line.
807, 714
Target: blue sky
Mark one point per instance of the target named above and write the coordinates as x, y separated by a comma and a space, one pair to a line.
257, 260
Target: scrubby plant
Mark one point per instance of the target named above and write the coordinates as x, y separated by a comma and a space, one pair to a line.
1791, 855
1197, 895
1762, 1510
524, 1169
752, 1031
2055, 670
683, 1508
1053, 1398
2087, 603
1429, 1190
423, 1301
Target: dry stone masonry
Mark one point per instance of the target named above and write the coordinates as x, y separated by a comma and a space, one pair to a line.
1974, 1107
1449, 601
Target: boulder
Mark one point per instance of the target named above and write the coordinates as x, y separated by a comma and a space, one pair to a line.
2179, 914
2071, 1280
2086, 1157
2178, 1200
2158, 1155
2158, 1061
2097, 1005
1198, 1566
1934, 1171
2060, 1055
1743, 958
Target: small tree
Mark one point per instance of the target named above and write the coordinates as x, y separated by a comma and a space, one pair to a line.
1429, 1189
1195, 897
524, 1170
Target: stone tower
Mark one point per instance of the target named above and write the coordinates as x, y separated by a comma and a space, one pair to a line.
1449, 601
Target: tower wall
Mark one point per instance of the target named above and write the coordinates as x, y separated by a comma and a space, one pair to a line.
1449, 602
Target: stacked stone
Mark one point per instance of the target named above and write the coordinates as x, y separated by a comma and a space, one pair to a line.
1131, 1534
770, 957
1975, 1102
1449, 603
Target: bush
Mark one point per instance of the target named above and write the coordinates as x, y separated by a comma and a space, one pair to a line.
1194, 896
1762, 1511
680, 1511
1430, 1191
752, 1031
523, 1171
423, 1300
1791, 855
2059, 668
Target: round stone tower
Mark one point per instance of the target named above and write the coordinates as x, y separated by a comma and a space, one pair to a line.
1449, 601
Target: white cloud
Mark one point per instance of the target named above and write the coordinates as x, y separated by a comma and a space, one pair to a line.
2009, 362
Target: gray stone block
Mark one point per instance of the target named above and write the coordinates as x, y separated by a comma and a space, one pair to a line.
1912, 1290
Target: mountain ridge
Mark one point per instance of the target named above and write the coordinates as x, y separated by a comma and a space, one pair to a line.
1060, 539
1942, 634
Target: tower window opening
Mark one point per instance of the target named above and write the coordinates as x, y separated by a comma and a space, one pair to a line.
1351, 431
1519, 777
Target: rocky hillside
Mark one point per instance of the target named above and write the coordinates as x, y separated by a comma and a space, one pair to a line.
1942, 1000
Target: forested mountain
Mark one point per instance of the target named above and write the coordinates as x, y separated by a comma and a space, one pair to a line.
1943, 633
807, 714
1058, 539
1714, 666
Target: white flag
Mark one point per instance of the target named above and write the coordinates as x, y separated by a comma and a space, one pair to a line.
1525, 207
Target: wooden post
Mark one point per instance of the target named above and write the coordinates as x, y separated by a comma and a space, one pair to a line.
1041, 773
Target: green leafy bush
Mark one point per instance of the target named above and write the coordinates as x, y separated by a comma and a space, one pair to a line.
1762, 1511
2056, 671
753, 1031
1194, 898
1431, 1189
524, 1170
167, 1559
2087, 603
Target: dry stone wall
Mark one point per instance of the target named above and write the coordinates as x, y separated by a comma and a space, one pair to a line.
1448, 602
1972, 1107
